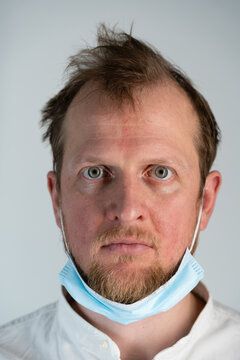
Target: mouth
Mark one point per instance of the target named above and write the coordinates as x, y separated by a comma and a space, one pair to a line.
126, 246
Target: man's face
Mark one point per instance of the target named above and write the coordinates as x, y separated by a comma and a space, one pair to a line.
129, 184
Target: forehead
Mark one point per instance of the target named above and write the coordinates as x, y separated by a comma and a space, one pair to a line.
161, 114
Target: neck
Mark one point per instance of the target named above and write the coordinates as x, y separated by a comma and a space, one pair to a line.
145, 338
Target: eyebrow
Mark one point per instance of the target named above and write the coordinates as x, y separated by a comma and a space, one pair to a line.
176, 161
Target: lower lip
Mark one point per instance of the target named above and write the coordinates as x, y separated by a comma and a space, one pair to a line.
131, 249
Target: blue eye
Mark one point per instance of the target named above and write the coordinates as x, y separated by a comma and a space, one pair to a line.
161, 172
93, 172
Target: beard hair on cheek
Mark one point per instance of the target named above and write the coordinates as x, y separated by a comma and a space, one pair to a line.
125, 286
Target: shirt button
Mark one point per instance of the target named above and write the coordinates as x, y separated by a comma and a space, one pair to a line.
104, 345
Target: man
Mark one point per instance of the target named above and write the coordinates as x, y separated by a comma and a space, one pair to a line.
133, 143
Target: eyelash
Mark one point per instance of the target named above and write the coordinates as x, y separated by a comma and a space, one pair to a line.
108, 173
103, 171
170, 172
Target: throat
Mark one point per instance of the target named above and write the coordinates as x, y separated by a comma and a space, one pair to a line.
146, 338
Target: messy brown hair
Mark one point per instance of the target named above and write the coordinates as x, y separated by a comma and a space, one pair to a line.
120, 64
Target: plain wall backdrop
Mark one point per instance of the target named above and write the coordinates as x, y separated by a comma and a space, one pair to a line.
37, 37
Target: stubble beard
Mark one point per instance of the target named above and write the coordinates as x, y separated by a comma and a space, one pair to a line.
122, 281
126, 287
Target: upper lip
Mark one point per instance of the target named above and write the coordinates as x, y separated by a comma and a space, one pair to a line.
127, 241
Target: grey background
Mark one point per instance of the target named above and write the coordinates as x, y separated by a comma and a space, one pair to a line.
37, 37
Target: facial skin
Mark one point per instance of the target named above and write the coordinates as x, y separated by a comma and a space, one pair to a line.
141, 211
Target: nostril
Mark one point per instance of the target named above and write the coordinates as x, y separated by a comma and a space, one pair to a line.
125, 208
112, 213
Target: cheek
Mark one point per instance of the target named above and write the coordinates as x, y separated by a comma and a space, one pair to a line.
82, 219
174, 223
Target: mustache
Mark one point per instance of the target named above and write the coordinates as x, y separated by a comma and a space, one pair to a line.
120, 232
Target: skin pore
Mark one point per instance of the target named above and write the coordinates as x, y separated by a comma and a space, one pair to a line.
130, 200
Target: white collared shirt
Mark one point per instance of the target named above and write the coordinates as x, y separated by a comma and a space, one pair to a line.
57, 332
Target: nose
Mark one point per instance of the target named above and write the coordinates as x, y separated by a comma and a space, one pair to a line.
127, 204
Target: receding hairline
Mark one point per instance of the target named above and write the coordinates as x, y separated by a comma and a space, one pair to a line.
90, 88
93, 87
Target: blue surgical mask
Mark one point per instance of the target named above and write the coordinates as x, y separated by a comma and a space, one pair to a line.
164, 298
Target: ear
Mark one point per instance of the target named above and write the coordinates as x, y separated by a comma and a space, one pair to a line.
212, 186
52, 188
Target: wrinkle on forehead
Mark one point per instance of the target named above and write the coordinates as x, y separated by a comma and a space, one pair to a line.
164, 114
121, 151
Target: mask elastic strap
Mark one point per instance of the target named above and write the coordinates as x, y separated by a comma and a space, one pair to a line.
63, 232
198, 223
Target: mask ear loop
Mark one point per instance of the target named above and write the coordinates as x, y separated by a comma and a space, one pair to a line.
198, 223
63, 232
66, 244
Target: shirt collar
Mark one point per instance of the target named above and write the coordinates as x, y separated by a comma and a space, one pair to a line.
199, 327
76, 333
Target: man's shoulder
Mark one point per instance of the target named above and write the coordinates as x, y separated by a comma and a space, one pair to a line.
215, 315
225, 324
19, 334
225, 314
39, 316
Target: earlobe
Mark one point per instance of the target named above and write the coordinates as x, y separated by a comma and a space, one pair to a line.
212, 186
52, 188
